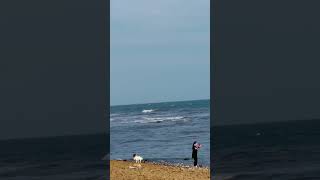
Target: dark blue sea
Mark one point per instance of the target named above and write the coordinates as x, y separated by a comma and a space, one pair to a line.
161, 132
54, 158
287, 150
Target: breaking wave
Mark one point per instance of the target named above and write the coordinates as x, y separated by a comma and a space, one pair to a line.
159, 119
147, 110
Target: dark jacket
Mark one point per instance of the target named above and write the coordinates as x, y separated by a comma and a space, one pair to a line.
194, 152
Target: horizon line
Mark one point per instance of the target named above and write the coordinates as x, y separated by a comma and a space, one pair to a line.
158, 102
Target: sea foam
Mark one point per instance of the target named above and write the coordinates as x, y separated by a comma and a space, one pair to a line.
147, 110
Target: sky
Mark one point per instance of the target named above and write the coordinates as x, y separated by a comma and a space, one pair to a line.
52, 70
159, 51
266, 61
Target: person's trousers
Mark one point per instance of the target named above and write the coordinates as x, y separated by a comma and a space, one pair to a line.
195, 161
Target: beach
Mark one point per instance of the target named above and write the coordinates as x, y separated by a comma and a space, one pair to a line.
125, 170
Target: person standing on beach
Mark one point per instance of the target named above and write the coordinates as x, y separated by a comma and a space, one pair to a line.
195, 147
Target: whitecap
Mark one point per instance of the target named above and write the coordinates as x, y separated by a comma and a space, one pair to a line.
147, 110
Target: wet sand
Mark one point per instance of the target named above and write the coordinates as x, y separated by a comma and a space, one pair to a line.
128, 170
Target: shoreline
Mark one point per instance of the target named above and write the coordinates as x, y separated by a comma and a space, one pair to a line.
165, 163
123, 170
176, 165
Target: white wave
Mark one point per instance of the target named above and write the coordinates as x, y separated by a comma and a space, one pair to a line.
159, 119
114, 114
147, 110
123, 119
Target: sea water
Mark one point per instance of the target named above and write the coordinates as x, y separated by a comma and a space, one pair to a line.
161, 132
274, 150
54, 158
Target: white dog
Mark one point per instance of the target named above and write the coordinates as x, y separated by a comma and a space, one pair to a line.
137, 158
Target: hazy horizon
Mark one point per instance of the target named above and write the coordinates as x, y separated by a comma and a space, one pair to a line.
161, 102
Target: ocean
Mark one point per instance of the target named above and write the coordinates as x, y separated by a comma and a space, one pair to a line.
54, 158
267, 151
164, 132
161, 132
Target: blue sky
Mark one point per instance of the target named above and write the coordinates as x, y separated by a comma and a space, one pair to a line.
160, 51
